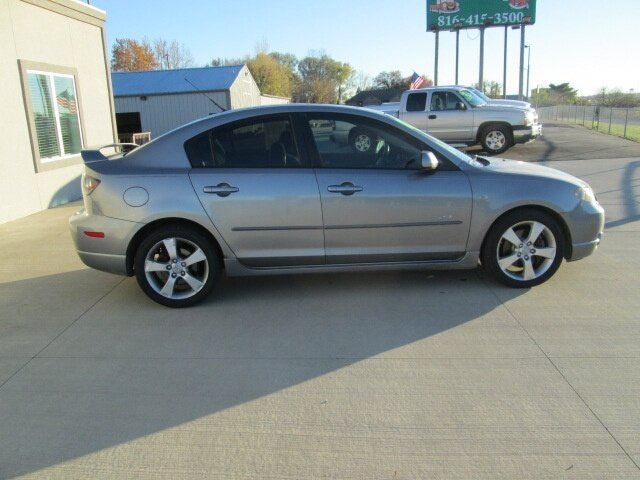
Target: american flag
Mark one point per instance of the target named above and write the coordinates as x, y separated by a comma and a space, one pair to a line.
416, 81
66, 102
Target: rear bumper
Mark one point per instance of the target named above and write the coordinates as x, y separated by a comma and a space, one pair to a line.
522, 134
105, 262
109, 252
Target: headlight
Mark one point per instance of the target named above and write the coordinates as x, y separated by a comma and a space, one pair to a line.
586, 193
529, 118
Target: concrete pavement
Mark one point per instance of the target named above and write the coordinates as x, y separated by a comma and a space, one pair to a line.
377, 375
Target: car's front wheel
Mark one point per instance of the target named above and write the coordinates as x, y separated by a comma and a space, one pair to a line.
524, 248
176, 266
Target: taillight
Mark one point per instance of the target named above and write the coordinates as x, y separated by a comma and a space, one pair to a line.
89, 184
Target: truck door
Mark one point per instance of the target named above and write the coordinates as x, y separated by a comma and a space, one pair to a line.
449, 117
415, 110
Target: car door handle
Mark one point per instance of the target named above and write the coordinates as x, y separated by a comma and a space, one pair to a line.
222, 189
347, 188
432, 117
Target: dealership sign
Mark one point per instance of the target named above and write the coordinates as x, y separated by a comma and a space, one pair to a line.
455, 14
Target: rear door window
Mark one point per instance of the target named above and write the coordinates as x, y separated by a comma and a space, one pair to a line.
257, 143
416, 102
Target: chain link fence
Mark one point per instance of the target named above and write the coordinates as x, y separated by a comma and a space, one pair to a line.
622, 122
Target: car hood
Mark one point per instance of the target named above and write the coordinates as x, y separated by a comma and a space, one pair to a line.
517, 167
494, 107
510, 103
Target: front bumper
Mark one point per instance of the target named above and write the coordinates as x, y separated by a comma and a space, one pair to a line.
522, 134
586, 224
108, 253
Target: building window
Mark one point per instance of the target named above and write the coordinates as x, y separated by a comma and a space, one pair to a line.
54, 107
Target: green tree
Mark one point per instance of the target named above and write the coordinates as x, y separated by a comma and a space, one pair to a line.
287, 59
562, 93
490, 88
321, 79
271, 76
540, 97
129, 55
617, 98
344, 78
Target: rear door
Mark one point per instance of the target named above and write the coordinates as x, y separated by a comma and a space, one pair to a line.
415, 110
257, 191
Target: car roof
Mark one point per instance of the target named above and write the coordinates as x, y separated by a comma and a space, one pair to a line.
250, 112
160, 150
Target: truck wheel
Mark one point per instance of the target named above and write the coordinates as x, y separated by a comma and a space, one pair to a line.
361, 141
496, 139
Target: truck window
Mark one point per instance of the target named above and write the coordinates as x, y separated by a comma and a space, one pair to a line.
444, 101
438, 101
416, 102
452, 100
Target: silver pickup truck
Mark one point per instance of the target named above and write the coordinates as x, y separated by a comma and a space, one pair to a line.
460, 117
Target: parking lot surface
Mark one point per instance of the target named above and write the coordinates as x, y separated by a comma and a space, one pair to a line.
374, 375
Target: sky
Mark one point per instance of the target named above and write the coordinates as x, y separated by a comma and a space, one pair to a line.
589, 43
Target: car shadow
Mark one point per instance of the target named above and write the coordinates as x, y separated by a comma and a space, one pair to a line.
69, 192
630, 196
104, 366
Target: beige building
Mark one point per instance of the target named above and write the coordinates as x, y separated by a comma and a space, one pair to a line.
56, 99
157, 101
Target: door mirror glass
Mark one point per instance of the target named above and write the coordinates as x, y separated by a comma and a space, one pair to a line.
429, 161
460, 106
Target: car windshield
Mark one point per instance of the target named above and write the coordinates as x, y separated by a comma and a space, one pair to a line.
471, 97
480, 94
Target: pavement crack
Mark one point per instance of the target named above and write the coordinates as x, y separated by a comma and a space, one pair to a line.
584, 402
87, 310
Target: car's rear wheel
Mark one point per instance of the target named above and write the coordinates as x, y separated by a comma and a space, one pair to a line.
176, 266
496, 139
524, 248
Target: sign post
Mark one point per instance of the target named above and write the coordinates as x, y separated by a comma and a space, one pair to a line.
521, 80
504, 71
454, 15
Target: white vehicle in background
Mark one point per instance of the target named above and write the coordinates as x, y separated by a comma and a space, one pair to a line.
458, 116
500, 101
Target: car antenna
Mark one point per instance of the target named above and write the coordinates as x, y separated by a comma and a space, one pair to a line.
211, 99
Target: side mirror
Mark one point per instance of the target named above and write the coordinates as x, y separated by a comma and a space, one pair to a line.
429, 162
460, 106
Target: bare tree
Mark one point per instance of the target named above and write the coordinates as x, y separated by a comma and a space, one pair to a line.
393, 79
171, 55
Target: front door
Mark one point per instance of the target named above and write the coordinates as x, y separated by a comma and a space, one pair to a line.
446, 120
380, 206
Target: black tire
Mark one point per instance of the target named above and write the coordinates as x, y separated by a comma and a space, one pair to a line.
496, 139
526, 264
186, 283
361, 141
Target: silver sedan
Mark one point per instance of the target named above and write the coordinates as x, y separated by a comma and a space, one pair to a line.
270, 190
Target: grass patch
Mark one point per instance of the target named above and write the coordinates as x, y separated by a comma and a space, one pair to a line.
617, 129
